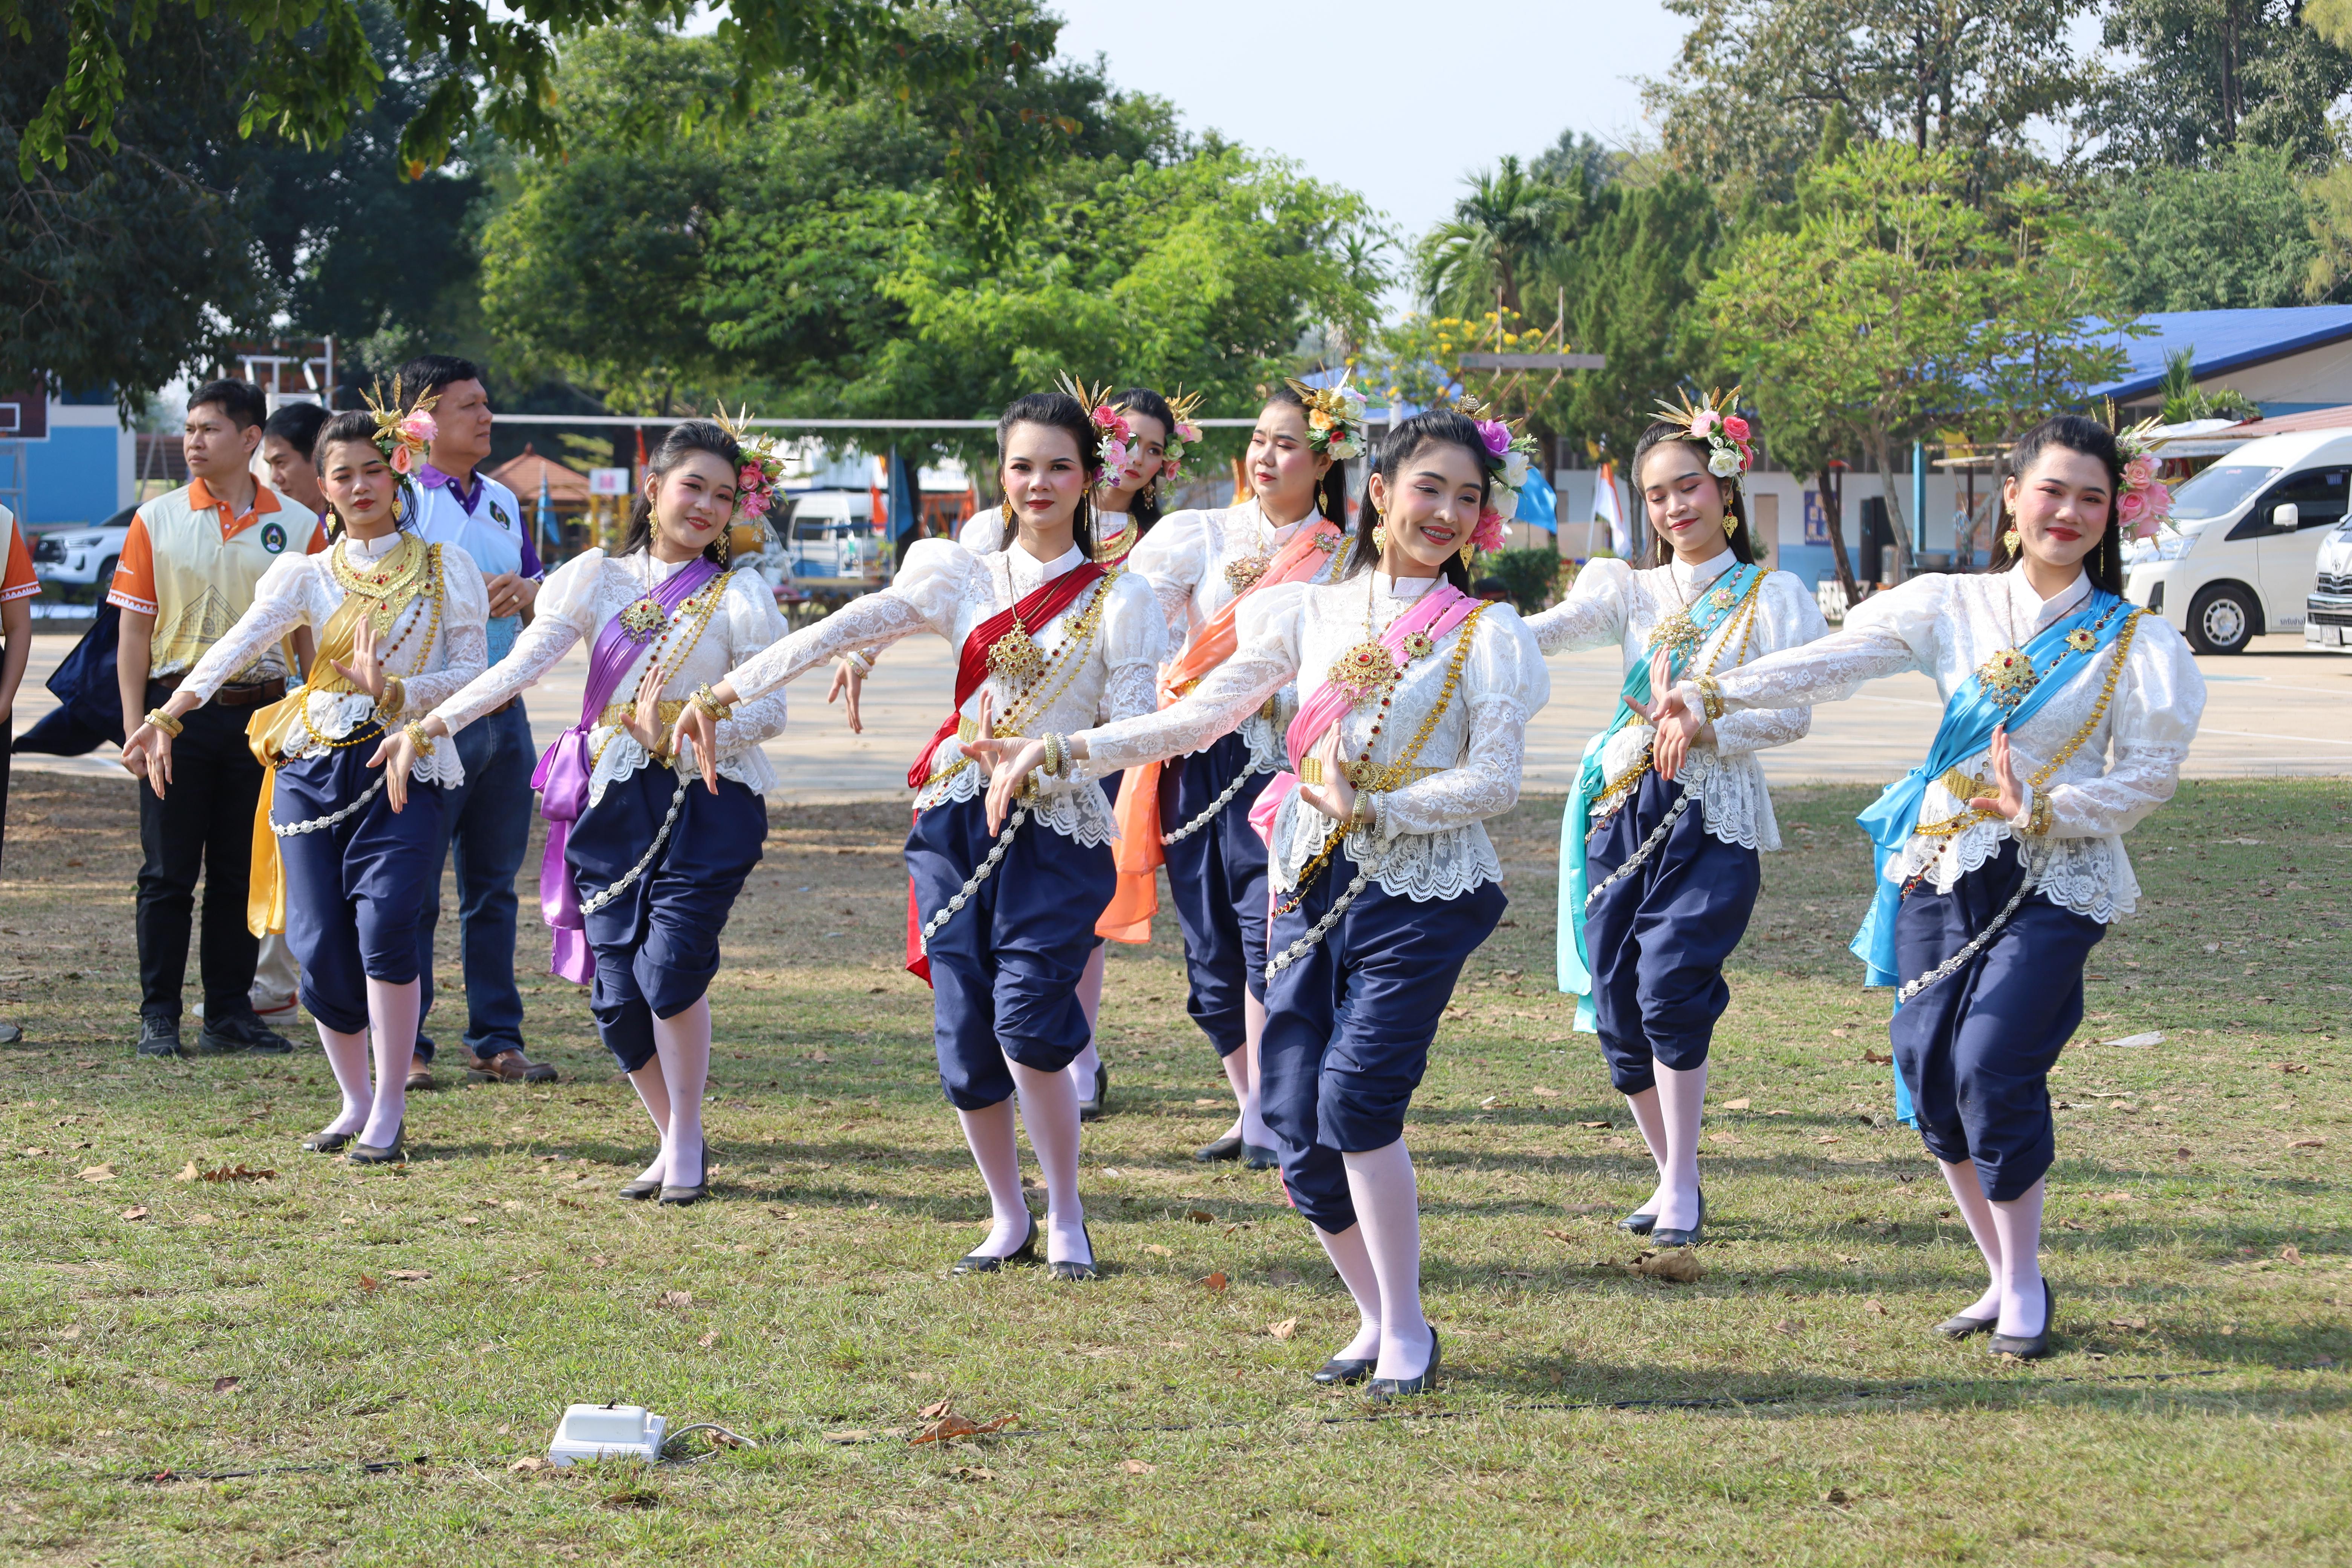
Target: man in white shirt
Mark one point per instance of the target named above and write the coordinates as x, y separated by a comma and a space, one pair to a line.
486, 819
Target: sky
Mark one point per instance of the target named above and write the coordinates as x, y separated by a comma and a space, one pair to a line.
1386, 97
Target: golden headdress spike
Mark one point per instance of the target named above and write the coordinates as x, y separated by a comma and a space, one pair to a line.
1713, 419
1089, 397
1184, 405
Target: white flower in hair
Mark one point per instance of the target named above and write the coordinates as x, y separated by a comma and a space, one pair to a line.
1723, 463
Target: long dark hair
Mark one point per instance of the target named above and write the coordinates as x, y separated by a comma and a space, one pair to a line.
1401, 444
2075, 434
1657, 551
1144, 508
357, 424
682, 442
1056, 411
1332, 490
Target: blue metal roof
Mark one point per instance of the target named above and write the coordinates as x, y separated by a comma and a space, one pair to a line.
2224, 341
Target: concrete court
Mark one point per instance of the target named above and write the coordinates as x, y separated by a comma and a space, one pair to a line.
2280, 709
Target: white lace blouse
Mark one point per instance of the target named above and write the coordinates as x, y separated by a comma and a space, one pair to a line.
433, 653
985, 531
1185, 557
1428, 838
1949, 625
575, 604
1612, 602
945, 589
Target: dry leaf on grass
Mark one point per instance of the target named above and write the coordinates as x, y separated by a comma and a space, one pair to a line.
1737, 1104
1876, 1307
1546, 1093
1878, 1059
972, 1473
2298, 1143
1199, 1216
408, 1274
525, 1467
2126, 1322
680, 1299
2291, 1253
1157, 1250
2293, 1067
1563, 1235
223, 1385
1677, 1264
239, 1172
942, 1424
138, 1212
97, 1174
1216, 1281
1790, 1326
1137, 1466
369, 1282
1596, 1124
1283, 1330
708, 1339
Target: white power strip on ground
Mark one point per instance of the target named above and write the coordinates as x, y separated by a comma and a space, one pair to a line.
607, 1432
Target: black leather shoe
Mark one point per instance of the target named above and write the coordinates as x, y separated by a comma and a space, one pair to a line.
989, 1263
1340, 1368
1959, 1326
160, 1037
1664, 1238
679, 1197
641, 1189
1070, 1269
241, 1033
2031, 1347
1090, 1107
1640, 1223
328, 1143
1260, 1159
1228, 1147
391, 1154
1403, 1387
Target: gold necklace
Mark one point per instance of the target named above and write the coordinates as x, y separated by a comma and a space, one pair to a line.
1367, 672
2008, 676
1241, 575
1677, 634
391, 583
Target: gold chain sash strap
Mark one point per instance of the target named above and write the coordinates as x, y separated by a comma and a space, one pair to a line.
693, 618
2037, 856
1374, 780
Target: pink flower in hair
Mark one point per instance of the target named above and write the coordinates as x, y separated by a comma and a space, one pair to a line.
1114, 453
1737, 428
749, 476
1488, 534
1187, 432
419, 427
753, 504
404, 457
1703, 421
1495, 434
2131, 509
2139, 473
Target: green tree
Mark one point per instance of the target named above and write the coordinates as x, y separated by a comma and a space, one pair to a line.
1502, 229
2206, 75
2235, 235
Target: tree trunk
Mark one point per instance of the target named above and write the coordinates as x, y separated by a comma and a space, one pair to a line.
1834, 504
1881, 457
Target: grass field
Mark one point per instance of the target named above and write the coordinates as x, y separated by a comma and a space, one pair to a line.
295, 1328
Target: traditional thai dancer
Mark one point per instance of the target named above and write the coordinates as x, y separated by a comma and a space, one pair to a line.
1191, 813
641, 869
1999, 859
1001, 923
343, 842
1654, 895
1144, 439
1411, 735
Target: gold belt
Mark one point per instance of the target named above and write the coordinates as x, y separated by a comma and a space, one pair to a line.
617, 714
1378, 780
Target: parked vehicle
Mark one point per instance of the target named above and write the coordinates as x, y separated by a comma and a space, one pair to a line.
2327, 614
81, 557
2238, 557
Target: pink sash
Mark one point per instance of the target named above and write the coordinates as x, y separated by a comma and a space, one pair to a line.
1439, 610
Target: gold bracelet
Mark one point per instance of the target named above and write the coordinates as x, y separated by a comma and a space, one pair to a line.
165, 723
1057, 755
2038, 821
708, 700
418, 738
395, 699
1311, 770
1360, 813
1710, 698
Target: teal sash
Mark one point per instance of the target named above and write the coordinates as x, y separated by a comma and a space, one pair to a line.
1575, 974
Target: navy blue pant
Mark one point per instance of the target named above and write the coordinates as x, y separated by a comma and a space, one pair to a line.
1005, 967
487, 821
1657, 941
1216, 878
356, 891
1975, 1048
1349, 1026
657, 945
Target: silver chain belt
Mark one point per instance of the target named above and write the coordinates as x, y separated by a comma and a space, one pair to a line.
1322, 928
971, 883
1976, 943
1648, 846
677, 803
321, 824
1249, 771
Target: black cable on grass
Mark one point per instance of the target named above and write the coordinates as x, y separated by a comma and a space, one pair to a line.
1719, 1402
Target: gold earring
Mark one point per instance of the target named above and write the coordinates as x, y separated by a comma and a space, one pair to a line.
1379, 538
1468, 547
2009, 541
1730, 524
1008, 514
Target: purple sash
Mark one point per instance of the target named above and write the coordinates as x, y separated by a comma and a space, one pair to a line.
563, 775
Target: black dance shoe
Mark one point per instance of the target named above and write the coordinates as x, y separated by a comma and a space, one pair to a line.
1343, 1369
989, 1263
1069, 1268
1228, 1147
1260, 1159
679, 1197
1404, 1387
1959, 1326
641, 1189
2031, 1347
1096, 1103
390, 1154
1640, 1223
1669, 1238
328, 1143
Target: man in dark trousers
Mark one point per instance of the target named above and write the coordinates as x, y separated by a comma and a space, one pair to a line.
187, 572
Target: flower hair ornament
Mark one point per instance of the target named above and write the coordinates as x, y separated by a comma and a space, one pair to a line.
1511, 454
1116, 434
1335, 418
762, 468
1184, 405
403, 436
1711, 420
2144, 503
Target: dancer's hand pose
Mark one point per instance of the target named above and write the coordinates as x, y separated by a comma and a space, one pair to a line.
848, 680
2010, 803
643, 721
1678, 723
697, 725
147, 755
365, 671
1334, 797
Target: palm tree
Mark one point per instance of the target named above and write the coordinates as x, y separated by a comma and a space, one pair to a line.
1506, 225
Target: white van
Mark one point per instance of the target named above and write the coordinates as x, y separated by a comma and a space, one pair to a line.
2327, 614
2239, 555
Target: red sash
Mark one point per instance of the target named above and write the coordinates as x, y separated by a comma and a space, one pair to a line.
972, 670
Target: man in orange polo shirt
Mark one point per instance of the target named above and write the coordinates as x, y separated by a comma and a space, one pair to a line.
187, 573
17, 587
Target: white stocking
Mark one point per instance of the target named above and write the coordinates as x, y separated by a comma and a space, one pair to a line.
1681, 1098
1049, 1108
1349, 1256
1254, 1131
1088, 1062
682, 1045
655, 1094
347, 1055
1968, 1195
1652, 1124
2017, 1223
996, 1150
1387, 1215
391, 1018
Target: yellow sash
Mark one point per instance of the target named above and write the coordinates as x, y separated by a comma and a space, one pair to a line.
267, 732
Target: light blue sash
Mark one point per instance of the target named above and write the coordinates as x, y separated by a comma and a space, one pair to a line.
1971, 716
1575, 974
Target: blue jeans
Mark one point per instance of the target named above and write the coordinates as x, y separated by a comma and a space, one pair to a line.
488, 820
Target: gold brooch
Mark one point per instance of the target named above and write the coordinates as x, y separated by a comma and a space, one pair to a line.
1015, 657
1720, 598
1419, 645
2081, 640
1678, 635
1242, 575
1365, 672
2007, 676
644, 620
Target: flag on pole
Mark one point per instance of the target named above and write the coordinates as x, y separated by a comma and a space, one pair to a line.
1606, 508
543, 525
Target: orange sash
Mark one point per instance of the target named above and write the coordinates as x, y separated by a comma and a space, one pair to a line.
1141, 854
